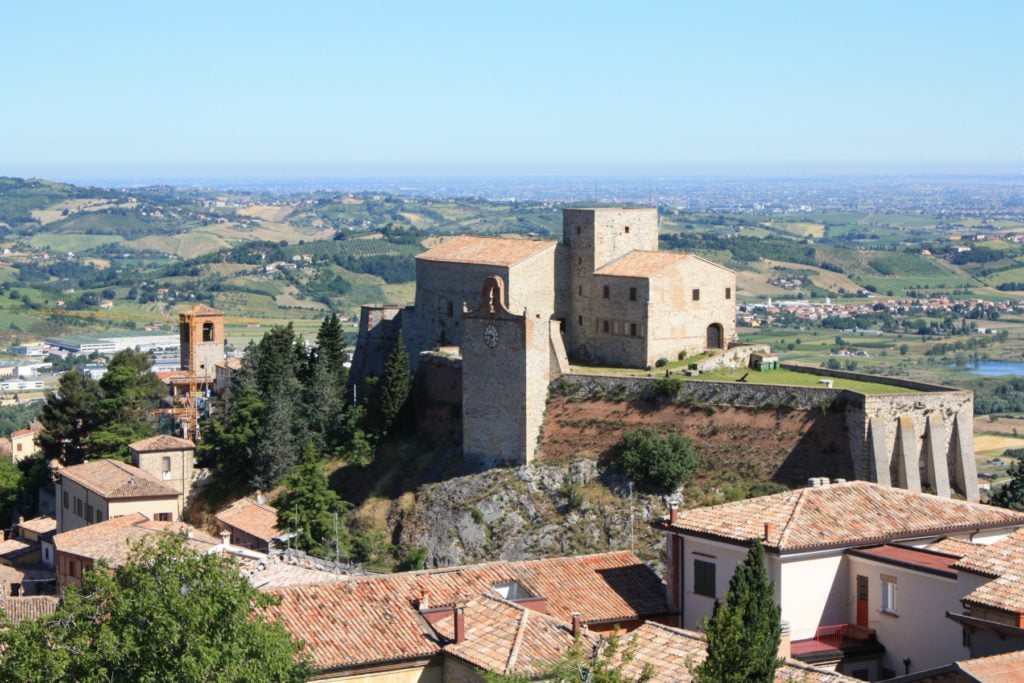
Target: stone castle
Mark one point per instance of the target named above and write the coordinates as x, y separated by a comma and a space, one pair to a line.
517, 311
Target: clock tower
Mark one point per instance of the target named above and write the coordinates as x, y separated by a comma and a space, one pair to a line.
506, 369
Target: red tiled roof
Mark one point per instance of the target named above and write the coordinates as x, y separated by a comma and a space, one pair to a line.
116, 479
503, 637
255, 519
675, 652
21, 432
28, 607
913, 558
112, 539
491, 251
953, 546
39, 525
162, 442
837, 515
373, 619
1004, 562
16, 547
642, 263
1004, 668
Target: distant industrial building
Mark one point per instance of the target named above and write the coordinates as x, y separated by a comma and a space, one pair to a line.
87, 344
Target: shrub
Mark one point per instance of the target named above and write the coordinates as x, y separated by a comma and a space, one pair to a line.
681, 355
661, 362
656, 463
667, 387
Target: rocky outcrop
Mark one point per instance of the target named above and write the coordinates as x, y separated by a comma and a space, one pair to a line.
529, 511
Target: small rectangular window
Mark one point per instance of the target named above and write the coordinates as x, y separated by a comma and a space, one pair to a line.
728, 292
66, 503
604, 325
162, 516
696, 295
581, 320
166, 464
580, 290
632, 293
889, 594
627, 229
451, 309
704, 578
78, 506
579, 260
607, 291
88, 513
577, 229
632, 329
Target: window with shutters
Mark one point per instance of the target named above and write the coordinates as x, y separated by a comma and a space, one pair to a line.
696, 295
632, 293
888, 594
607, 292
704, 578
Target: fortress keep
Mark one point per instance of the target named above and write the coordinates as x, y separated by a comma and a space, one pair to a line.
519, 310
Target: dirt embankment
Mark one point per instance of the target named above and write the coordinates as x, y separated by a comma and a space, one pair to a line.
737, 445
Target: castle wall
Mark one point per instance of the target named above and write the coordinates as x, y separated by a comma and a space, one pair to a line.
678, 322
614, 331
378, 331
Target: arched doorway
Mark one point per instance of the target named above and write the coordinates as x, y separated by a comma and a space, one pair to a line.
715, 336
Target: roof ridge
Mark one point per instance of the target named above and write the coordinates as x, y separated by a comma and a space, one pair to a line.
513, 654
784, 536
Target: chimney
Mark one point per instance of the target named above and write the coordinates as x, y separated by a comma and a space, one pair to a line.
673, 512
784, 649
577, 625
259, 497
460, 624
225, 537
769, 529
424, 603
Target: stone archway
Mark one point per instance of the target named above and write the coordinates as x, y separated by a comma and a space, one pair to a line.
715, 337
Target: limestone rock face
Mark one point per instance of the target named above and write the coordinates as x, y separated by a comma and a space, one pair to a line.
529, 512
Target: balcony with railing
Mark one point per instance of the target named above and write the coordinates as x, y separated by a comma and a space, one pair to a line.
836, 642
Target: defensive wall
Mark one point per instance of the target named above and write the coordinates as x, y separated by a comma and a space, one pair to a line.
919, 440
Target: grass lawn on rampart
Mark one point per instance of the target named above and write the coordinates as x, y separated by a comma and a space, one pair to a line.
800, 379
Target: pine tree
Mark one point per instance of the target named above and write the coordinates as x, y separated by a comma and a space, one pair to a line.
69, 416
744, 631
308, 506
330, 348
130, 391
394, 387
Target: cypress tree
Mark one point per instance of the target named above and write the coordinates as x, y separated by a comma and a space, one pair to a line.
744, 631
395, 385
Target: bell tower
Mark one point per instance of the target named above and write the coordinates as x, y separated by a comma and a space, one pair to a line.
506, 368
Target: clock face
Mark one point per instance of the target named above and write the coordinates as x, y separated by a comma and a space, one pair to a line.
491, 336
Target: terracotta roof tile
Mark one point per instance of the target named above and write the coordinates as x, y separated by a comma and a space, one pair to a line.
162, 442
13, 548
675, 652
848, 514
111, 540
1004, 668
116, 479
276, 572
372, 619
642, 263
953, 546
39, 525
504, 637
1004, 562
491, 251
29, 607
255, 519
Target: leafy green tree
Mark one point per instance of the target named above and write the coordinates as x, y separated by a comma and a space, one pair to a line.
69, 416
1011, 494
394, 386
230, 444
309, 507
10, 492
744, 631
658, 464
168, 614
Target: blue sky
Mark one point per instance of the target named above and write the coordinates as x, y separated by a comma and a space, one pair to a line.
459, 88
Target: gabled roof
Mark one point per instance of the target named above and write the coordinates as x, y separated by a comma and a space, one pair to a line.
13, 548
373, 619
255, 519
674, 653
953, 546
504, 637
112, 539
640, 263
838, 515
116, 479
1004, 562
1004, 668
39, 525
162, 442
490, 251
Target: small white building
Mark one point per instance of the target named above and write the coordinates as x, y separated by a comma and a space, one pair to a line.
858, 584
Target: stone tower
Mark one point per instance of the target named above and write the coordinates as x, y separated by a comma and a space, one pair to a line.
208, 326
595, 238
507, 363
